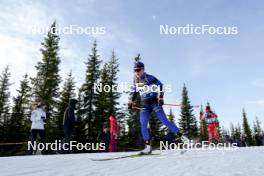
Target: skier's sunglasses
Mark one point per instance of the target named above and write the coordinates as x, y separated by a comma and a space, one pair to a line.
137, 70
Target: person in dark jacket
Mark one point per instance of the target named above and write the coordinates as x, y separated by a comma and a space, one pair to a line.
69, 122
104, 137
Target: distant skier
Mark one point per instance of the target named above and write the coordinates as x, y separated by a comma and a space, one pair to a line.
69, 122
38, 118
114, 131
212, 121
151, 99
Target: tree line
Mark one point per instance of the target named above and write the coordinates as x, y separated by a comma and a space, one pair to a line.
93, 109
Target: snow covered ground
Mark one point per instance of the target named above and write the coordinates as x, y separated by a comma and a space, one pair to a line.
243, 161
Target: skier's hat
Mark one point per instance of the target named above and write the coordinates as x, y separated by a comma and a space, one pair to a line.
138, 65
208, 108
73, 100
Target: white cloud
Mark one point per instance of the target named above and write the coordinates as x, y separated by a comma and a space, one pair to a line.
206, 59
258, 83
18, 18
19, 48
257, 102
19, 54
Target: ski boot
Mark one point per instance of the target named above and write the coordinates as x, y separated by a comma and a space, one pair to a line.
184, 139
147, 150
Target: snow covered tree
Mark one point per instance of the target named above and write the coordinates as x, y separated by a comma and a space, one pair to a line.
246, 130
187, 122
4, 102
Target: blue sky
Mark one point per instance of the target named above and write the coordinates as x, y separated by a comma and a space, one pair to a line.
225, 70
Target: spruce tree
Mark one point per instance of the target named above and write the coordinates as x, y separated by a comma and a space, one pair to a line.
203, 126
171, 116
90, 96
246, 130
238, 132
224, 133
257, 132
68, 92
107, 99
157, 132
103, 102
134, 134
4, 102
113, 67
80, 125
257, 126
20, 113
46, 83
158, 129
18, 125
123, 116
232, 130
187, 121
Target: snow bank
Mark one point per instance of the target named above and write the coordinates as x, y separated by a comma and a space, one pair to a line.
243, 161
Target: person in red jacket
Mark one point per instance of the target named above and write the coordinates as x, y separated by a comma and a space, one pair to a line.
114, 131
212, 121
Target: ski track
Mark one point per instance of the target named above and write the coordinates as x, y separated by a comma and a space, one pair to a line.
241, 162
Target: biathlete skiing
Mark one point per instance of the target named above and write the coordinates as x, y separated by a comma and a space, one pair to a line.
213, 125
150, 100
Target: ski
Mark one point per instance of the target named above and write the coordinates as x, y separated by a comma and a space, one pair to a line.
183, 151
122, 157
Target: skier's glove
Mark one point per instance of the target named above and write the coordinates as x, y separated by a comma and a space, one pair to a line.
161, 101
43, 118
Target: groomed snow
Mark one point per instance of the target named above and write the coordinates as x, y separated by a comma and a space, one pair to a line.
243, 161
